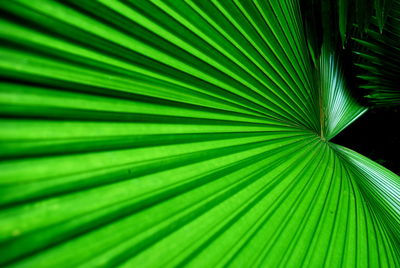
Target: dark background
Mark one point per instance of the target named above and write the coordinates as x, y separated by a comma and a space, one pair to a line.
376, 136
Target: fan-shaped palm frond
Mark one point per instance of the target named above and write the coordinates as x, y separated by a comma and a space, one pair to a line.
171, 133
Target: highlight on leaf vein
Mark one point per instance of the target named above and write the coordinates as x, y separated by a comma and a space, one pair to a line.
182, 133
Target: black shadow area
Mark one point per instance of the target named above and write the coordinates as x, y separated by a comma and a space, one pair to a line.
376, 135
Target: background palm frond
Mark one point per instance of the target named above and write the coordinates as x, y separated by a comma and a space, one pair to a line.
380, 60
171, 133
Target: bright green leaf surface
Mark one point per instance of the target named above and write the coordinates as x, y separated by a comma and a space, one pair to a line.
181, 133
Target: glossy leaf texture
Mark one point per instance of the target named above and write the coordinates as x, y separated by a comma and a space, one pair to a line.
338, 108
181, 133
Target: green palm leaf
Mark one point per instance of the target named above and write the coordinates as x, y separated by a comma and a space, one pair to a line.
380, 59
171, 133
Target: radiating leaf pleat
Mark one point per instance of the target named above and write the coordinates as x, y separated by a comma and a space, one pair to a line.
181, 133
338, 107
